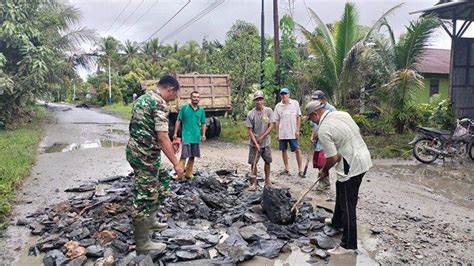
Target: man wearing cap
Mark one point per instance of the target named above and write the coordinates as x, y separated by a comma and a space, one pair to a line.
346, 150
288, 122
260, 124
318, 151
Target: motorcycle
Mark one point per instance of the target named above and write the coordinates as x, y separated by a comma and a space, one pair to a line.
430, 144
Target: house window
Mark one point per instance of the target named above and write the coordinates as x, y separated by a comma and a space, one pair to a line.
434, 86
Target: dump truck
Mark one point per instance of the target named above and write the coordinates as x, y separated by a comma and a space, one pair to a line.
215, 94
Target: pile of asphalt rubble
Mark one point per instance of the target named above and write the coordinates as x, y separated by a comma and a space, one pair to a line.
212, 220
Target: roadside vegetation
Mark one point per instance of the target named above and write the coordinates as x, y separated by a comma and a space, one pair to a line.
120, 109
18, 144
381, 146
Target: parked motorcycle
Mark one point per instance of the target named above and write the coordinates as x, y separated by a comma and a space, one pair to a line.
430, 144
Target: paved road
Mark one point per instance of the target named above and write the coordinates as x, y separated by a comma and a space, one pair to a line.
80, 145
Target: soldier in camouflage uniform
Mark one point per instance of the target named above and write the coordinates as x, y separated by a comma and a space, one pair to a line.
148, 137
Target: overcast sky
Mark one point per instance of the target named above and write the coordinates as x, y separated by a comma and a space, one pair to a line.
134, 25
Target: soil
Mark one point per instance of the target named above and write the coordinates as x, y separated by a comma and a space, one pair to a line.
407, 212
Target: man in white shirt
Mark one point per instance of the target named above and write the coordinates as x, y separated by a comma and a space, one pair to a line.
288, 123
346, 150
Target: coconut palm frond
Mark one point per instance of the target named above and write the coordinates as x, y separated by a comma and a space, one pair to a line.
403, 86
346, 33
354, 71
66, 15
381, 21
73, 39
390, 33
321, 50
412, 45
322, 27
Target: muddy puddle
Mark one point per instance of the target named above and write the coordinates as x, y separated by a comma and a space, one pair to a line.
449, 179
68, 147
116, 131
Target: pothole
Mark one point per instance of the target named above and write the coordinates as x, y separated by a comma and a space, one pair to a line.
68, 147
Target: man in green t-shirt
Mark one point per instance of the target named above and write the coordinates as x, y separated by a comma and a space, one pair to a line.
192, 120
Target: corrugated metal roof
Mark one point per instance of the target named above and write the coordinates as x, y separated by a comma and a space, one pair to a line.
435, 61
459, 9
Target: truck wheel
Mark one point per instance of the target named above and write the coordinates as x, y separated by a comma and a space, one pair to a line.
171, 124
211, 129
217, 127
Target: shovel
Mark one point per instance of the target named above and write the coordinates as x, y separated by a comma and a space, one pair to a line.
306, 165
293, 209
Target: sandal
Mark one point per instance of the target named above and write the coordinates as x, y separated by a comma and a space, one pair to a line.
285, 172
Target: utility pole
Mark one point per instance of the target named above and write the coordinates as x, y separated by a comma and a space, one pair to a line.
73, 90
276, 46
110, 85
276, 33
262, 44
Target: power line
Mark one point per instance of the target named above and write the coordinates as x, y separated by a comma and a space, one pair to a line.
201, 14
133, 12
166, 23
123, 9
142, 16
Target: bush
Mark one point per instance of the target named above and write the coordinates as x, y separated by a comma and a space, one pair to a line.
362, 121
442, 115
103, 94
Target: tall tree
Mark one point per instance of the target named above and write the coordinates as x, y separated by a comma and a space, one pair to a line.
240, 58
338, 50
109, 48
190, 56
37, 42
152, 50
396, 64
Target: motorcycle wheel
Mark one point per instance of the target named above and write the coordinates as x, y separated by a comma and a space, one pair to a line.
420, 152
470, 151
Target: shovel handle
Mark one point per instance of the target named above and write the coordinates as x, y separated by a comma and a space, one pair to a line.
306, 165
304, 194
255, 160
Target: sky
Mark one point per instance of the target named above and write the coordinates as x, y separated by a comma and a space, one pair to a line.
141, 18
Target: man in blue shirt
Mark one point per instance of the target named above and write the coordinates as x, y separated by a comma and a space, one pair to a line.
320, 96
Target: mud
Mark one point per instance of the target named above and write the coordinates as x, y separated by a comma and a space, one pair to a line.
407, 212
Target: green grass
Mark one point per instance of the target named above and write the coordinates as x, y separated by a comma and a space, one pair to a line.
18, 146
124, 111
236, 132
381, 146
390, 145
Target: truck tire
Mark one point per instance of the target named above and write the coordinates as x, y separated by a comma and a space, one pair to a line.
171, 125
211, 129
217, 127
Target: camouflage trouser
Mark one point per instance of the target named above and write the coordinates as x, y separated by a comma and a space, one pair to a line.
148, 185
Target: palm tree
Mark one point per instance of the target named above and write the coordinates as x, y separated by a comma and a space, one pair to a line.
397, 63
170, 66
151, 49
131, 50
338, 52
109, 48
39, 56
190, 56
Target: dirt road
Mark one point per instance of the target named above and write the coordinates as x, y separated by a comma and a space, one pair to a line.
407, 212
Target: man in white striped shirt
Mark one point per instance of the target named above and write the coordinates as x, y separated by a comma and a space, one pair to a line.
346, 150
